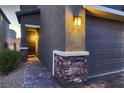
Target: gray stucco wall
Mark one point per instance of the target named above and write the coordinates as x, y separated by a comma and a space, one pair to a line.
52, 32
28, 7
4, 28
75, 36
30, 20
2, 37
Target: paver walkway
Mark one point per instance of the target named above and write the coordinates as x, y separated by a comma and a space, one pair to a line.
38, 76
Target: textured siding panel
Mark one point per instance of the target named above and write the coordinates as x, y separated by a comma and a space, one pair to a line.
105, 42
75, 37
4, 29
52, 35
31, 19
2, 37
27, 7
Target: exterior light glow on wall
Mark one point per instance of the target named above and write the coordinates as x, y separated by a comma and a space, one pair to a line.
77, 21
1, 18
35, 36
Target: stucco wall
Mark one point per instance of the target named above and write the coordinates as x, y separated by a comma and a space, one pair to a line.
30, 20
4, 28
27, 7
52, 32
2, 37
75, 37
33, 19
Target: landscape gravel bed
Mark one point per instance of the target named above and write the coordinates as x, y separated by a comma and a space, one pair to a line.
14, 79
33, 74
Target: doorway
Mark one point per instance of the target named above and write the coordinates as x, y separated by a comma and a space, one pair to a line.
32, 39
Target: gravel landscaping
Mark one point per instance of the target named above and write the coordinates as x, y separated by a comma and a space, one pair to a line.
14, 79
34, 74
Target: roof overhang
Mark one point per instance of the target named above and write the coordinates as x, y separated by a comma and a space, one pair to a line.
19, 14
5, 16
104, 12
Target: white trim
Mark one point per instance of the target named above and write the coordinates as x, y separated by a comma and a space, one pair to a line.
105, 74
105, 9
76, 53
53, 65
33, 26
23, 47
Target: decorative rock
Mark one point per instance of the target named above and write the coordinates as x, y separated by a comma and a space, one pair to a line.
40, 75
70, 69
78, 80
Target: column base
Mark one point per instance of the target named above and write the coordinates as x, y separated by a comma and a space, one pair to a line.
70, 68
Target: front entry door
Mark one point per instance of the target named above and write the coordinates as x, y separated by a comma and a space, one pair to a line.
31, 42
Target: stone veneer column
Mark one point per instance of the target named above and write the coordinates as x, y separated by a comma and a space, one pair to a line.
70, 68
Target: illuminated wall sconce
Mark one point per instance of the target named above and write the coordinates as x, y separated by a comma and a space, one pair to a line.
35, 36
77, 21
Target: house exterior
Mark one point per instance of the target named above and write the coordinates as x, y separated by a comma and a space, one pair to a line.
75, 28
18, 43
4, 28
11, 39
11, 34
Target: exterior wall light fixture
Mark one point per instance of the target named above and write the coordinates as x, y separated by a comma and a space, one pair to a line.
35, 36
77, 21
